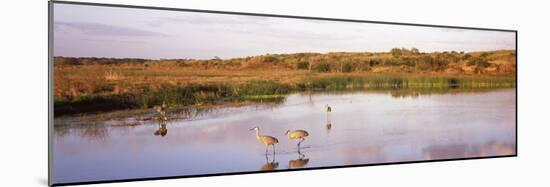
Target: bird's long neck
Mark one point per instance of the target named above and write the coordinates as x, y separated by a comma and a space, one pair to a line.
258, 133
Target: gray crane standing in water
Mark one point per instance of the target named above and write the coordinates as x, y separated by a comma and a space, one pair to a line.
328, 108
266, 140
161, 109
297, 134
163, 119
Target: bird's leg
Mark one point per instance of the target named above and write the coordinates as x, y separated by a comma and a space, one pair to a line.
300, 142
266, 147
273, 148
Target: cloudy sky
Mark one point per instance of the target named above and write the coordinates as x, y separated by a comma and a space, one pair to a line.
93, 31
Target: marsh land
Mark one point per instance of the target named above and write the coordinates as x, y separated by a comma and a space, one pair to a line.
96, 85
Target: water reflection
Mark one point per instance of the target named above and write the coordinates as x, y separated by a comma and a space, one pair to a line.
404, 93
375, 128
492, 148
162, 130
301, 161
269, 165
328, 125
94, 131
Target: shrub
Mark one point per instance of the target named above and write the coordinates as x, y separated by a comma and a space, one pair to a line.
322, 67
271, 59
302, 65
348, 67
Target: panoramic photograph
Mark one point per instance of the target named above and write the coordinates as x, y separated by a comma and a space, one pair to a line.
144, 93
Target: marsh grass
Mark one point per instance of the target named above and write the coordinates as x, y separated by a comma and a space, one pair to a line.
97, 85
267, 91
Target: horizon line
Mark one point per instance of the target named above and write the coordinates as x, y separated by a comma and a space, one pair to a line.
267, 54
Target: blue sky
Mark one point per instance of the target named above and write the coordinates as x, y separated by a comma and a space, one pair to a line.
93, 31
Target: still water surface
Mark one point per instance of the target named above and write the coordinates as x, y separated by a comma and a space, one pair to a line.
363, 128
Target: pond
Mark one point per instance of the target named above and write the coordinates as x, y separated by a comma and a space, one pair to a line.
363, 128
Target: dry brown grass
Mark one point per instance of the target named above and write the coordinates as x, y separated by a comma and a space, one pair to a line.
96, 84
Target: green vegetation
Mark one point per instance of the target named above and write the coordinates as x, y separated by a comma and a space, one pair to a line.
85, 85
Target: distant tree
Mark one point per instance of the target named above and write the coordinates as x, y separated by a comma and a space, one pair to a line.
348, 67
415, 51
479, 62
374, 62
270, 59
322, 67
302, 65
484, 55
466, 56
396, 52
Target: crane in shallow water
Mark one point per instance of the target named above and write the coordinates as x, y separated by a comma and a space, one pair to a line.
266, 140
328, 108
297, 134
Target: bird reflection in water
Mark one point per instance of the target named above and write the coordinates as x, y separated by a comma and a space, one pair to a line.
328, 125
298, 163
269, 165
162, 130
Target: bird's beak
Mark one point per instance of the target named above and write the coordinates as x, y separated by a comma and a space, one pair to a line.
251, 129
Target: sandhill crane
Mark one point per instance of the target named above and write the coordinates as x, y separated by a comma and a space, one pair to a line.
297, 134
161, 109
328, 108
162, 118
266, 140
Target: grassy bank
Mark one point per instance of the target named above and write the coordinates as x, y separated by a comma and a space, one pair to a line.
86, 85
268, 91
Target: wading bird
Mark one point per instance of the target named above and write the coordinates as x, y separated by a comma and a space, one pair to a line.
161, 109
266, 140
297, 134
162, 119
328, 108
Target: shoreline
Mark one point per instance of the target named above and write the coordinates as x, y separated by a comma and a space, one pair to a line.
140, 116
